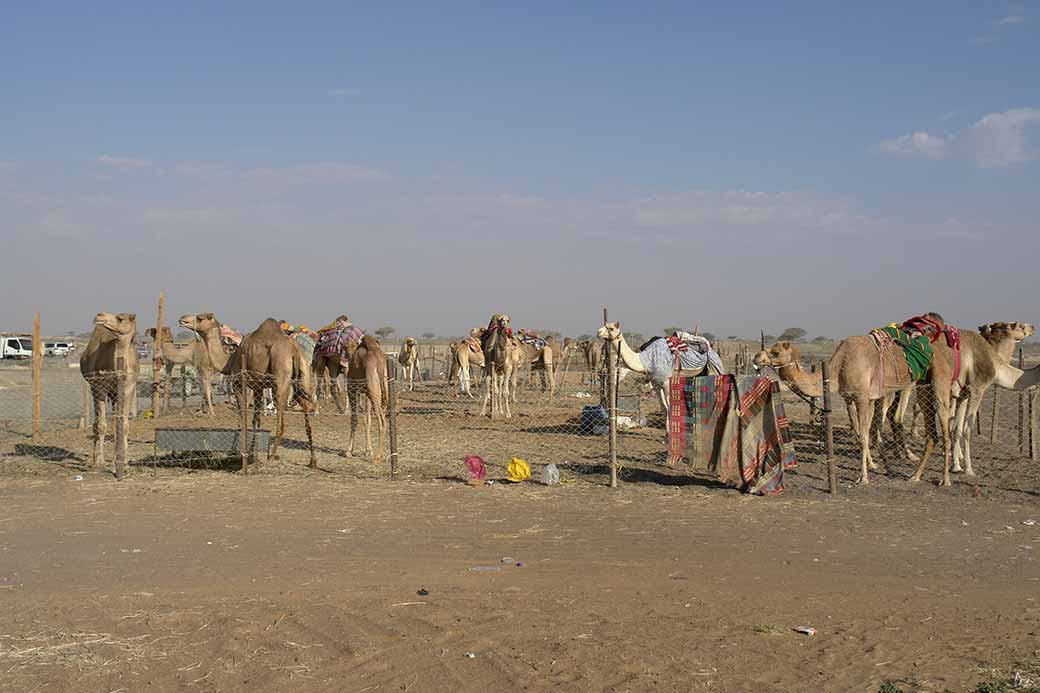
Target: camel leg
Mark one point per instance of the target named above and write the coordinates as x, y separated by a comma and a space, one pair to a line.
880, 412
381, 422
866, 414
926, 404
487, 399
310, 434
897, 424
99, 428
505, 395
368, 428
961, 407
352, 396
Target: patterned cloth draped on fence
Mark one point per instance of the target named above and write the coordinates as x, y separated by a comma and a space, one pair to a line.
735, 426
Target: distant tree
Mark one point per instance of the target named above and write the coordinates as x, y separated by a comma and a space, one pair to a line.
821, 339
769, 339
792, 334
184, 334
733, 337
585, 337
709, 336
672, 330
634, 338
384, 332
428, 335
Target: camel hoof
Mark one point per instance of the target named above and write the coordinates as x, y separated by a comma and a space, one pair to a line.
912, 457
946, 482
956, 469
915, 479
873, 466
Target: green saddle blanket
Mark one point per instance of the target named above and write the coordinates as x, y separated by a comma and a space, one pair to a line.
918, 350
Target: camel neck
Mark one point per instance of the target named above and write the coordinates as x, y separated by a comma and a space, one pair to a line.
811, 384
215, 350
629, 357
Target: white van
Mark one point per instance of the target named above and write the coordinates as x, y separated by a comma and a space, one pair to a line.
61, 349
16, 347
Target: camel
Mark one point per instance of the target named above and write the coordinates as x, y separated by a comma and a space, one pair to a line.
266, 358
540, 360
193, 355
112, 338
982, 354
409, 358
329, 361
853, 368
463, 359
592, 351
495, 346
634, 361
367, 370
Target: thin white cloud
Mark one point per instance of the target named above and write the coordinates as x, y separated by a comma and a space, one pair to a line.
329, 172
344, 91
917, 144
1010, 19
123, 162
997, 139
1003, 139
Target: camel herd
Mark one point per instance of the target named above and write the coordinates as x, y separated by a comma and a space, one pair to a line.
964, 366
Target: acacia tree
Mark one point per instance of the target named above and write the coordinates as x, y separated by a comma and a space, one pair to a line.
792, 334
384, 332
428, 335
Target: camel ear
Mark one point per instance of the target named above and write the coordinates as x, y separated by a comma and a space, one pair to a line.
205, 316
785, 345
150, 332
132, 316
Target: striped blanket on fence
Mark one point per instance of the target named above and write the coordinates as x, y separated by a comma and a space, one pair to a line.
733, 426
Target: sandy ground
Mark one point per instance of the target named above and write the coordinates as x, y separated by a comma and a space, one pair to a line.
214, 582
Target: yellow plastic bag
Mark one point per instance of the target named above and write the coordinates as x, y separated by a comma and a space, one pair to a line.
518, 470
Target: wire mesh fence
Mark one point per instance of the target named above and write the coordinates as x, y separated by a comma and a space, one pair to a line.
555, 417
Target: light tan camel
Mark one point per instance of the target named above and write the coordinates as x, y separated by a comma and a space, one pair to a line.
853, 371
982, 354
367, 371
537, 360
495, 346
270, 359
633, 362
592, 351
112, 338
463, 360
409, 359
193, 355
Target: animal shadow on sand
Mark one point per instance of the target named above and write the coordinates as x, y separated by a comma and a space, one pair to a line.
52, 454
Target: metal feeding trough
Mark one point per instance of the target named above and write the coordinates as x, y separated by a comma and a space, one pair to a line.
219, 441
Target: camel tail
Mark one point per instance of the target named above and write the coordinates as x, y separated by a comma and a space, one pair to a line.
303, 373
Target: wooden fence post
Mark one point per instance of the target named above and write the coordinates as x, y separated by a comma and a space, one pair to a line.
37, 356
1022, 440
828, 432
243, 408
85, 418
122, 408
611, 408
391, 403
812, 400
157, 359
1034, 434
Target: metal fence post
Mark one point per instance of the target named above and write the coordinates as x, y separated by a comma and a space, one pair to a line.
391, 403
828, 432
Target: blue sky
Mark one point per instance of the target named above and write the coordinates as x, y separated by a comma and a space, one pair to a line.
424, 166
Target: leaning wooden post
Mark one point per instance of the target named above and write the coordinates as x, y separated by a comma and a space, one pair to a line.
611, 408
157, 359
812, 400
1022, 442
391, 403
37, 356
122, 407
828, 433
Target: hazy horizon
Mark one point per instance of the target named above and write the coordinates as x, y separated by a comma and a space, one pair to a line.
833, 168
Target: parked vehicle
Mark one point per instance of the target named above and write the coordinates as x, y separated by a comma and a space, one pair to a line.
16, 347
60, 349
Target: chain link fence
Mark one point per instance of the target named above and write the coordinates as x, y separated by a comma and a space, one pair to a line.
556, 418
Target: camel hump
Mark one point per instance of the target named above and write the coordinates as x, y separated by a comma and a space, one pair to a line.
268, 326
369, 342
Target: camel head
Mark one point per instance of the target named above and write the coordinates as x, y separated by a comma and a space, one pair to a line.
119, 324
409, 341
611, 331
996, 332
203, 322
500, 319
779, 355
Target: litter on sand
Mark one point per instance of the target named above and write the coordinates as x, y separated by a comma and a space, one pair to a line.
477, 467
1027, 523
550, 475
486, 568
807, 630
518, 470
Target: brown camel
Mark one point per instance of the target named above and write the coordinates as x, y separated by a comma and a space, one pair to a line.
367, 371
982, 354
409, 359
327, 367
495, 346
112, 338
193, 355
853, 370
266, 358
539, 360
592, 351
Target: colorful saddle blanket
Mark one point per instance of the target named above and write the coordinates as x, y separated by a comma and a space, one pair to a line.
337, 339
734, 426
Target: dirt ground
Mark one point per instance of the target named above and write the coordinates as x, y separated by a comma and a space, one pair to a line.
214, 582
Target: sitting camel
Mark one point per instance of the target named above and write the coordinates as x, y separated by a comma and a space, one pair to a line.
112, 338
367, 370
193, 355
409, 359
654, 359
